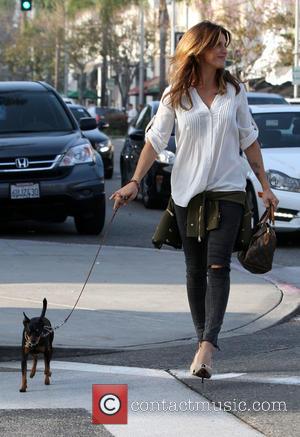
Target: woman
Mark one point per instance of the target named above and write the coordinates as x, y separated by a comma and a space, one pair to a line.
213, 124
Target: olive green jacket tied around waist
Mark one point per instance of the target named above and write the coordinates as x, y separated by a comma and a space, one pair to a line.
202, 215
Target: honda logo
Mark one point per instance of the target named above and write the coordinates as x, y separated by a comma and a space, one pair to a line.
22, 162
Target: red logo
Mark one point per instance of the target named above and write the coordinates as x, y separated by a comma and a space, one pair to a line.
110, 403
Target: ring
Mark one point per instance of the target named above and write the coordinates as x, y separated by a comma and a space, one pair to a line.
125, 197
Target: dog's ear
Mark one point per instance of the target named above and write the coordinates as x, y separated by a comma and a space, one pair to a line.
26, 319
44, 308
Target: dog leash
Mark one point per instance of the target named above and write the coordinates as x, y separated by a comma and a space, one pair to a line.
50, 329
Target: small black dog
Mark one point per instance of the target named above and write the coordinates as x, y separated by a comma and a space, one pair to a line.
37, 338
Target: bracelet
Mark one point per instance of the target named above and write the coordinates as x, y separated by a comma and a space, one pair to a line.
136, 182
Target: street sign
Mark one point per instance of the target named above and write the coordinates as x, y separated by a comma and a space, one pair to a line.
296, 75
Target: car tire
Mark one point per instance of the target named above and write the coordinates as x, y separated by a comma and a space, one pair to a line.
91, 224
109, 173
252, 204
123, 173
148, 201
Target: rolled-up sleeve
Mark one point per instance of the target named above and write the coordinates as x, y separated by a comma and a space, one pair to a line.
161, 127
248, 131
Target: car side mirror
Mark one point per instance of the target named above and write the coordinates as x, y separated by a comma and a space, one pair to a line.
87, 123
137, 135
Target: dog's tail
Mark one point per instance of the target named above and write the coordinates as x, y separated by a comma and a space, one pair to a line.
44, 308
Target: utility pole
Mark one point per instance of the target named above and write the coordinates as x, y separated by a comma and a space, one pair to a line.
141, 70
296, 54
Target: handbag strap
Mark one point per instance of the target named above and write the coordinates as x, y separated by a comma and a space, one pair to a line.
268, 215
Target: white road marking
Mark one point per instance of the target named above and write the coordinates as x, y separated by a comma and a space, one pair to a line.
253, 377
183, 373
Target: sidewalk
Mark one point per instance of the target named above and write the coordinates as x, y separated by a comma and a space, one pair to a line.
144, 385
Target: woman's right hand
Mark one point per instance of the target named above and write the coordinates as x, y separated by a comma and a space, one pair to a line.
124, 195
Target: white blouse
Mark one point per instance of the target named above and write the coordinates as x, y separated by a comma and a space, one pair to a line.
207, 142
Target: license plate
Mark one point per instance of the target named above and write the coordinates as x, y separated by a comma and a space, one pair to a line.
25, 191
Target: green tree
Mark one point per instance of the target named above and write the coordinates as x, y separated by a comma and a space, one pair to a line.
124, 51
7, 29
107, 13
29, 54
283, 23
82, 46
163, 37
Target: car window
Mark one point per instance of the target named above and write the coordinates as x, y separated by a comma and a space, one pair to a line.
278, 129
101, 111
79, 113
266, 101
26, 111
143, 118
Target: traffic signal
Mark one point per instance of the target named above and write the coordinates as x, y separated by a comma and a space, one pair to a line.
26, 5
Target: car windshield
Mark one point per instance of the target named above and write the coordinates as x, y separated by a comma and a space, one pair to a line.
266, 101
281, 129
79, 113
25, 111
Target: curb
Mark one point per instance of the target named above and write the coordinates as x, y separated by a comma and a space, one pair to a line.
287, 308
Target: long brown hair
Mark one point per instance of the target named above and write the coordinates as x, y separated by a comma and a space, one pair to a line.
185, 70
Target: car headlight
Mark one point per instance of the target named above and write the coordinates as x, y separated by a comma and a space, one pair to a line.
82, 154
104, 146
281, 181
166, 157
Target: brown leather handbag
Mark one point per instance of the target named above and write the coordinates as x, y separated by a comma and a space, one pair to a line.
258, 256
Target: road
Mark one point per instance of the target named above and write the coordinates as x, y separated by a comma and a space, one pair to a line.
133, 226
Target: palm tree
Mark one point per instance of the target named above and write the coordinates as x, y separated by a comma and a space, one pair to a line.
163, 31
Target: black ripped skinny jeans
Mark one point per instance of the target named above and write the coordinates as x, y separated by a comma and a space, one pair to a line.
208, 288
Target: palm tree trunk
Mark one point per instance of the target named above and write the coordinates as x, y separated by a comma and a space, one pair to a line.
163, 33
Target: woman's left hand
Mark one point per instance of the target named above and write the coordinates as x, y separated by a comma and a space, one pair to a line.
269, 197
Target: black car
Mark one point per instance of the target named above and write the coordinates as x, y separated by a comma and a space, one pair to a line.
48, 169
155, 186
98, 139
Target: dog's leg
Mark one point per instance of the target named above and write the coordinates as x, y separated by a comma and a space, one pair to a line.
24, 371
33, 370
47, 358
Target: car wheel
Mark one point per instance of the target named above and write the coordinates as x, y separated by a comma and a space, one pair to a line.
123, 174
148, 200
252, 205
92, 223
109, 173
